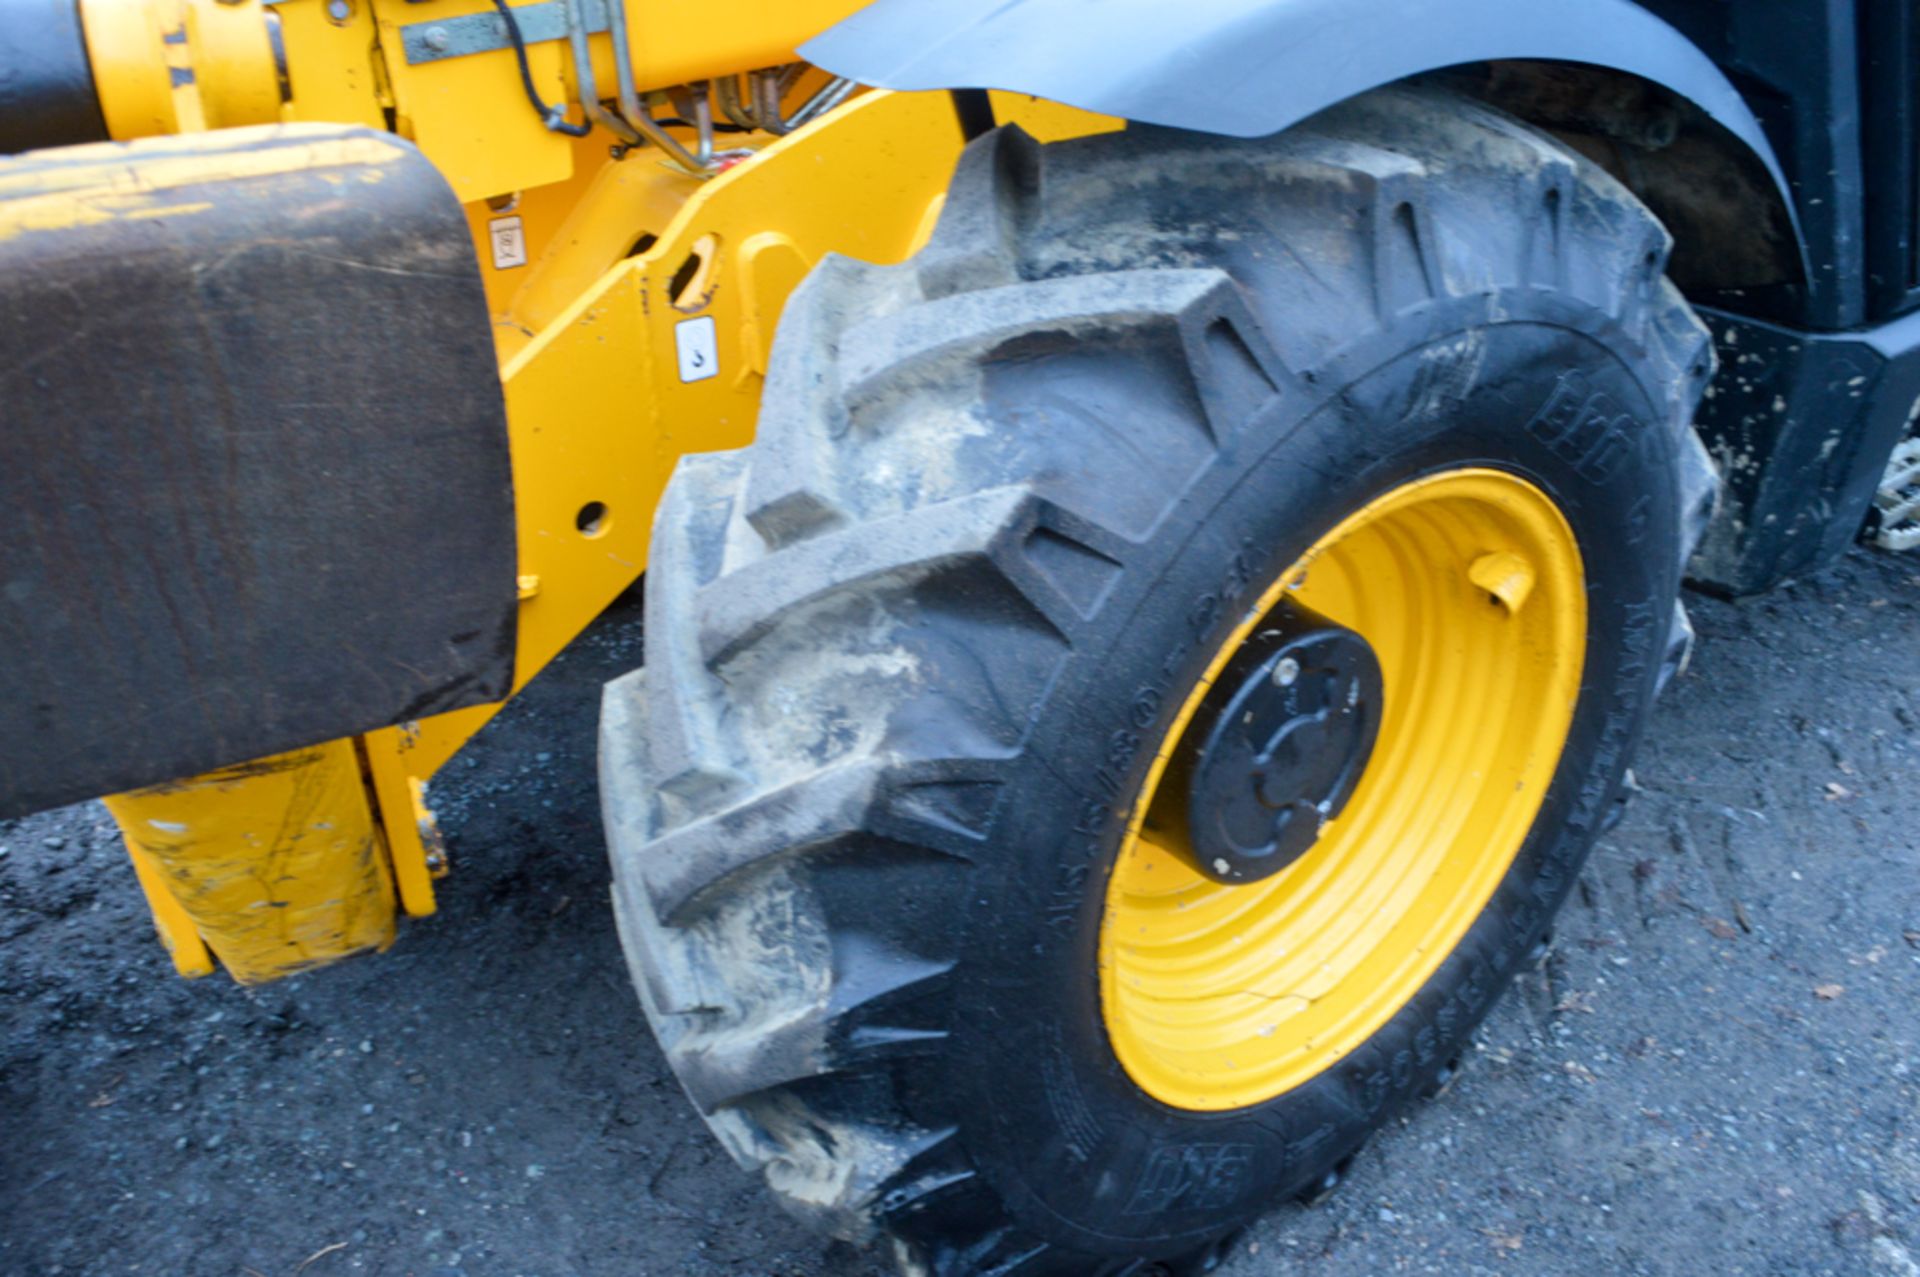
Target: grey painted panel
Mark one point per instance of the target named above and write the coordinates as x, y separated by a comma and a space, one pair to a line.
1253, 67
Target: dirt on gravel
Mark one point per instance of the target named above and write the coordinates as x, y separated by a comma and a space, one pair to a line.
1716, 1069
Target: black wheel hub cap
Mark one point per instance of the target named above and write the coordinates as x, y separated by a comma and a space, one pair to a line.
1282, 739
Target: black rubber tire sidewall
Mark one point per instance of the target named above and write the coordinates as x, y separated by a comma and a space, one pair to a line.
1079, 1154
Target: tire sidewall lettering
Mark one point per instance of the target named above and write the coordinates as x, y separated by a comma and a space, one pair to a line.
1600, 483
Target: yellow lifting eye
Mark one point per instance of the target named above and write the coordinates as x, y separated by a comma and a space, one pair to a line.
1221, 995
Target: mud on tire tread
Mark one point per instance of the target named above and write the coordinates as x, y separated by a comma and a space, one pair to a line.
800, 783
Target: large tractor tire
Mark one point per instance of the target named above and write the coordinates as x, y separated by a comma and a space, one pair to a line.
1148, 686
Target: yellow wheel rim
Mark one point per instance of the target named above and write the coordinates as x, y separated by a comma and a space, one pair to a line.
1470, 589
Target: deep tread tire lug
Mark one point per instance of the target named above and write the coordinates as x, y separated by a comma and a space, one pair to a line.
855, 625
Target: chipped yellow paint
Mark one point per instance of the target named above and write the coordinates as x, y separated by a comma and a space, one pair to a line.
417, 853
469, 113
126, 48
277, 864
180, 66
333, 65
234, 77
177, 932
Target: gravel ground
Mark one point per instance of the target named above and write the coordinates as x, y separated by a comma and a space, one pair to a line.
1716, 1070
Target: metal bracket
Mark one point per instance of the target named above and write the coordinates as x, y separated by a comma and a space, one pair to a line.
445, 38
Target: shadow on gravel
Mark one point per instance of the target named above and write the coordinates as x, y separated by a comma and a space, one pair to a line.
1717, 1068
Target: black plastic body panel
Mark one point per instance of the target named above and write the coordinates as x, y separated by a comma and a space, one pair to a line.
1797, 63
254, 475
1801, 425
1891, 88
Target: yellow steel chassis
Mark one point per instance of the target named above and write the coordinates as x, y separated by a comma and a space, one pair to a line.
280, 864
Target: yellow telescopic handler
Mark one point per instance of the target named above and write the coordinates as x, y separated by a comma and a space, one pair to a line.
1160, 525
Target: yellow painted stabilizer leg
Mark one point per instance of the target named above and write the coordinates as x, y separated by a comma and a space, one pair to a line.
276, 864
177, 932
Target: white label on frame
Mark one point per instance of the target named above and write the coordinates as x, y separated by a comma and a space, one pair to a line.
509, 242
698, 347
